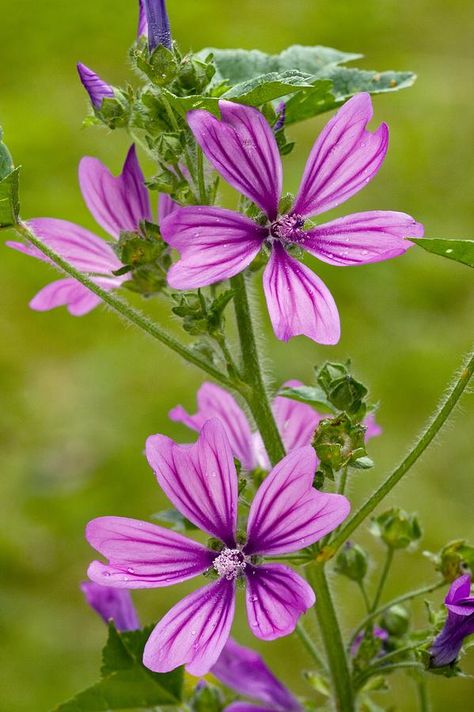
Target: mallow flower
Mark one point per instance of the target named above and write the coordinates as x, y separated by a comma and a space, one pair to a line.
97, 89
459, 623
200, 480
118, 204
111, 604
216, 244
296, 422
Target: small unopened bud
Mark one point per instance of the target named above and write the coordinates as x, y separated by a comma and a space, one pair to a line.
352, 562
456, 559
157, 24
396, 528
206, 698
396, 620
97, 89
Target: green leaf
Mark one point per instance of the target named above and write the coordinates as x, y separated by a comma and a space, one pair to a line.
126, 683
6, 161
267, 87
458, 250
183, 104
314, 395
9, 184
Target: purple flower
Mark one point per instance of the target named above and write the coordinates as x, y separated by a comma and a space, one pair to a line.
111, 604
286, 515
153, 19
280, 122
380, 633
459, 623
97, 89
216, 244
142, 29
118, 204
296, 423
244, 671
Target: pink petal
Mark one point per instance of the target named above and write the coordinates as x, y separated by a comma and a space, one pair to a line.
296, 421
244, 671
373, 428
276, 597
143, 555
287, 513
215, 402
298, 301
214, 244
242, 148
194, 631
111, 603
166, 206
67, 292
459, 590
362, 238
81, 248
200, 479
344, 158
118, 203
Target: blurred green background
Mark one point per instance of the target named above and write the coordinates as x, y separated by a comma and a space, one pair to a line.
81, 395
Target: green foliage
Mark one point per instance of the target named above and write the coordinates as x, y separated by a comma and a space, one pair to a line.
145, 257
266, 87
340, 443
352, 562
206, 698
9, 184
201, 314
126, 683
458, 250
454, 559
396, 528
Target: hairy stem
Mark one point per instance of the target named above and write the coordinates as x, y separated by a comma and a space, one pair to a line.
309, 645
428, 434
256, 394
126, 311
391, 667
331, 632
383, 578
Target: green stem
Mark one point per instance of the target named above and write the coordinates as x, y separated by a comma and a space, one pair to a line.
394, 602
310, 646
363, 677
433, 427
200, 176
126, 311
423, 698
364, 595
256, 394
331, 632
383, 578
343, 481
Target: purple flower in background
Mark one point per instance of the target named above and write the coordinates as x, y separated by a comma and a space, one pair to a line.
296, 423
153, 20
380, 633
118, 204
459, 623
97, 89
200, 480
280, 122
111, 604
244, 671
216, 244
142, 29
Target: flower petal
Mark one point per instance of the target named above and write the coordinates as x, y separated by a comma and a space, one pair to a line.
69, 293
373, 429
287, 513
214, 244
194, 631
118, 203
111, 603
298, 301
344, 158
362, 238
296, 421
143, 555
200, 479
242, 148
276, 597
81, 248
166, 206
247, 707
245, 672
215, 402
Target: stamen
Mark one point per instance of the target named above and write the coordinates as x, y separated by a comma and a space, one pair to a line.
288, 228
230, 564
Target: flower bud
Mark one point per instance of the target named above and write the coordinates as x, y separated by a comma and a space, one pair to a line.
352, 562
206, 698
157, 24
97, 89
342, 389
396, 528
396, 621
455, 559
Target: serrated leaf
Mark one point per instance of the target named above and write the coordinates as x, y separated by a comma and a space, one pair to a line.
457, 250
314, 395
267, 87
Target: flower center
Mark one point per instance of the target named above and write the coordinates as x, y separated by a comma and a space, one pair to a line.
230, 564
288, 228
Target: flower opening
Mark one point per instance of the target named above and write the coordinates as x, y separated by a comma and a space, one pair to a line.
230, 564
288, 228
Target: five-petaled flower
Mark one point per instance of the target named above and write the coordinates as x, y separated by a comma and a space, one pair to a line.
119, 204
286, 515
296, 423
459, 623
216, 244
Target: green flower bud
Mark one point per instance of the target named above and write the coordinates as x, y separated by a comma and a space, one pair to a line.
396, 621
396, 528
342, 389
455, 559
206, 698
352, 562
339, 443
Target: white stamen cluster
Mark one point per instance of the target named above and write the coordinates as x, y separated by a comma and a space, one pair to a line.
230, 564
